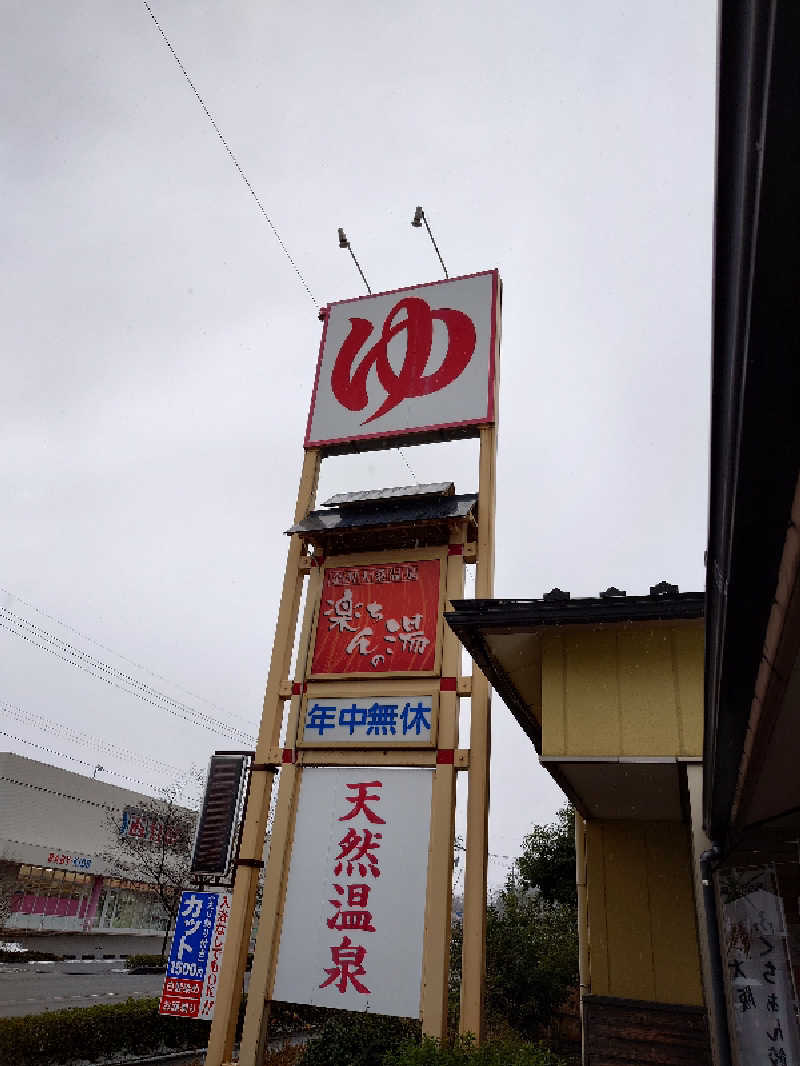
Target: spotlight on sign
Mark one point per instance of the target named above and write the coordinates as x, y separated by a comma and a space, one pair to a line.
416, 222
345, 243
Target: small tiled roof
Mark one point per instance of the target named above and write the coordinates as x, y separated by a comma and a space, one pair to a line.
378, 496
393, 512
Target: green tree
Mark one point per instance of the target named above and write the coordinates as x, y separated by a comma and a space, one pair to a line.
531, 932
531, 958
547, 862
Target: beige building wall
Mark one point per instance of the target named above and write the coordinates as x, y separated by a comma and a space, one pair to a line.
623, 690
641, 913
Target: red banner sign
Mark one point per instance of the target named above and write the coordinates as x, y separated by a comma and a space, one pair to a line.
378, 619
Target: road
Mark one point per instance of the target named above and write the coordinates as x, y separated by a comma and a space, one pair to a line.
22, 992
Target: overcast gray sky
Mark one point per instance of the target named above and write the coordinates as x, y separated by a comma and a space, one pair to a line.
157, 349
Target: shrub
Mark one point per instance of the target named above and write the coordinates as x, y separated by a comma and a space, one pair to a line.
286, 1056
29, 956
531, 960
134, 1027
356, 1039
288, 1018
136, 962
112, 1030
464, 1053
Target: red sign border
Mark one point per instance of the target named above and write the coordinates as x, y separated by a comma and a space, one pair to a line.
420, 430
378, 558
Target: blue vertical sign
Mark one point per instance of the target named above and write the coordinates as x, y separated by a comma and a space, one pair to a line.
194, 958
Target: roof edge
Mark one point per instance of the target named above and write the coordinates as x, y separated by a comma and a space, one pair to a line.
501, 614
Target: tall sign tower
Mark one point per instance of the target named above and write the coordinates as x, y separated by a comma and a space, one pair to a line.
357, 889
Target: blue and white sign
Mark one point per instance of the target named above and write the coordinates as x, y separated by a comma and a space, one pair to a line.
190, 985
369, 720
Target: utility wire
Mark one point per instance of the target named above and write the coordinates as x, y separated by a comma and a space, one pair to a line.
255, 196
23, 627
75, 736
491, 854
227, 148
95, 667
62, 647
55, 792
65, 795
119, 655
74, 758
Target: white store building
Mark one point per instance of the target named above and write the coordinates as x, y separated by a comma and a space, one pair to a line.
55, 829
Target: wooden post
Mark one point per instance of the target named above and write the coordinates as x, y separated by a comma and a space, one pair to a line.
234, 958
436, 944
265, 959
474, 947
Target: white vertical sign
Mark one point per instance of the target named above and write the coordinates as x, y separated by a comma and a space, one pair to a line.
759, 974
354, 916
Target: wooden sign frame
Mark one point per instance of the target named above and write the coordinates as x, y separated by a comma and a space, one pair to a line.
445, 759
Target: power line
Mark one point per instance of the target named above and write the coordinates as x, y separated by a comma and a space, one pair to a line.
75, 736
54, 644
55, 792
227, 148
90, 664
86, 664
74, 758
492, 855
112, 651
64, 795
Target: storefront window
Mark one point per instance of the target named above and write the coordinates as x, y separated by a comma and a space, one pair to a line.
48, 897
127, 909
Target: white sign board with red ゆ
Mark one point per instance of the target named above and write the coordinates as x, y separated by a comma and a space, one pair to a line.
190, 985
355, 901
397, 366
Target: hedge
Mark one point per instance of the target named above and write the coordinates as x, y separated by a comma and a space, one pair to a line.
116, 1029
357, 1039
464, 1053
29, 956
151, 962
80, 1033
